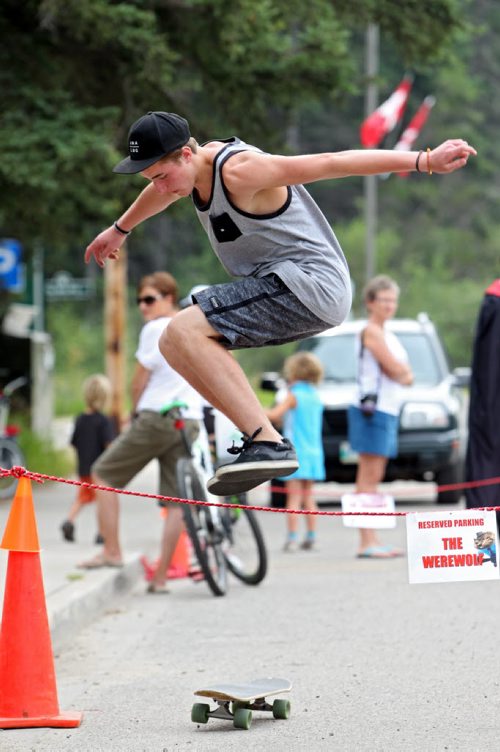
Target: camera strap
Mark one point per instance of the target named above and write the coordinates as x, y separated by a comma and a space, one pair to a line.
360, 368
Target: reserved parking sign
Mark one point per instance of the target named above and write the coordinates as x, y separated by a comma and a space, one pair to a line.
378, 508
452, 546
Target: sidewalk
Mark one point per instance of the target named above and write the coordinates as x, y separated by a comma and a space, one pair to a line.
74, 596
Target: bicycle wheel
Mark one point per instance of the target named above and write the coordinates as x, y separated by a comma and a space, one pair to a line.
10, 455
203, 526
244, 548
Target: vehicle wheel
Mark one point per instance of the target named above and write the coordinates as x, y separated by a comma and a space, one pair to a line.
10, 456
199, 712
244, 547
204, 527
242, 718
281, 709
448, 476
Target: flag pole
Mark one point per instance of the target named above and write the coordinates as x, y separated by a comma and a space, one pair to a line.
370, 181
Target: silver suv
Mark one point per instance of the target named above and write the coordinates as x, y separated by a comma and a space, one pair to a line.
433, 418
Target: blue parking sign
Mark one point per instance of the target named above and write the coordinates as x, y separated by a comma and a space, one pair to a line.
11, 277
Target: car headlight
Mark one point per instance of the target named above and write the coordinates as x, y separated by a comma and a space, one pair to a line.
417, 415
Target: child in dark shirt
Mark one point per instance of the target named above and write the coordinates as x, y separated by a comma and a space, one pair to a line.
92, 433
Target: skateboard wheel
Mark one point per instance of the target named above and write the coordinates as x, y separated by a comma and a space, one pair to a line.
199, 712
281, 709
242, 718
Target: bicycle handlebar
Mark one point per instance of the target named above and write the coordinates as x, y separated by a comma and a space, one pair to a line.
12, 386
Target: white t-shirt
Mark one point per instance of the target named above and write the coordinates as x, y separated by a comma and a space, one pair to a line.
164, 385
391, 394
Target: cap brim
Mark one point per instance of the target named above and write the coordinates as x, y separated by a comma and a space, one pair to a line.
130, 166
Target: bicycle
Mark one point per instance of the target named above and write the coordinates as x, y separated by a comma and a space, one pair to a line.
10, 451
223, 538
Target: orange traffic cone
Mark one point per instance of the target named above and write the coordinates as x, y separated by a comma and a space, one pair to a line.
28, 692
179, 564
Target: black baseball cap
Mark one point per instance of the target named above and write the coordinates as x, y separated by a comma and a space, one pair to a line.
152, 137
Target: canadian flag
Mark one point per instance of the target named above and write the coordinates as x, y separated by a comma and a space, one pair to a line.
384, 118
412, 130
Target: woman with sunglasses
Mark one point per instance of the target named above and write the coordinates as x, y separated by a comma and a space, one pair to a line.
151, 434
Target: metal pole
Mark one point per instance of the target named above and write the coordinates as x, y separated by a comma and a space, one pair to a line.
370, 181
38, 288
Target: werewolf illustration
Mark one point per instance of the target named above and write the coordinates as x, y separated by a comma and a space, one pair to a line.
485, 542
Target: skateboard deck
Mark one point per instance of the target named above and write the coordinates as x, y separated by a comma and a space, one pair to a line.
237, 701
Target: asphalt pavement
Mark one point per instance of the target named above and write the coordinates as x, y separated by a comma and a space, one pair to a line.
376, 663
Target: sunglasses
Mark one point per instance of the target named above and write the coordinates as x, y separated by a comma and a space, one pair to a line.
149, 299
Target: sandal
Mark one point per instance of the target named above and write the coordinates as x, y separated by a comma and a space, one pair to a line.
158, 589
100, 561
380, 552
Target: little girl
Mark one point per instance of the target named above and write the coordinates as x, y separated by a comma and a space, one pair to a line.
302, 414
92, 433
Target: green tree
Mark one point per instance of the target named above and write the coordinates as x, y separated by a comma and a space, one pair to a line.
75, 74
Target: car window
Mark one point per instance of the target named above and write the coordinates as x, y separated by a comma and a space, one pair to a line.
422, 357
338, 357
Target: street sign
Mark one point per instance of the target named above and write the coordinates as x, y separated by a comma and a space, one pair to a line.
11, 272
63, 286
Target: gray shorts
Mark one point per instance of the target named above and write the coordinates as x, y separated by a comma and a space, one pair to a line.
150, 436
255, 312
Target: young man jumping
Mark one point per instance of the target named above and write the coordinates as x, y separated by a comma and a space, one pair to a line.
266, 230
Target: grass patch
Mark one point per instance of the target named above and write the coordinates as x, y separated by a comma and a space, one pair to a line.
42, 457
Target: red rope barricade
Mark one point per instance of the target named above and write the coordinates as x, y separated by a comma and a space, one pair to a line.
441, 489
17, 472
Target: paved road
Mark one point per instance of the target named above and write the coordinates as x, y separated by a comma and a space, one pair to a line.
376, 664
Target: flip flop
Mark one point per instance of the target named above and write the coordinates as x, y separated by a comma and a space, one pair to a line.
100, 561
380, 552
158, 589
395, 552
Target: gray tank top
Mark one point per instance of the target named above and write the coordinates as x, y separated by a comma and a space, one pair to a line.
296, 243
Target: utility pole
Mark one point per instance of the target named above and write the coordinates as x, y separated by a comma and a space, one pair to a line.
38, 288
370, 181
115, 301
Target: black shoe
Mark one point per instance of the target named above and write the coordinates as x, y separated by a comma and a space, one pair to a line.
258, 461
231, 486
68, 531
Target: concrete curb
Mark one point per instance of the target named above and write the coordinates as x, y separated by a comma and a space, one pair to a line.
86, 594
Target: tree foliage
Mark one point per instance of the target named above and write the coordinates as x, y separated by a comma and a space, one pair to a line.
75, 74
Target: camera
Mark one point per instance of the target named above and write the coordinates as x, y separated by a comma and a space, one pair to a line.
368, 404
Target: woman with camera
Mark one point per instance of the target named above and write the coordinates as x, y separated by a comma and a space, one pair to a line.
383, 371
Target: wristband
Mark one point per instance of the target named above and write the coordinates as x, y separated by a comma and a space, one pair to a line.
429, 160
120, 230
418, 160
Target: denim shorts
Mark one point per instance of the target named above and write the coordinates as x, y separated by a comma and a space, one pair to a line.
375, 434
255, 312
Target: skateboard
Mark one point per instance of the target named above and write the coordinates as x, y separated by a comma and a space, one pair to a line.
235, 702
